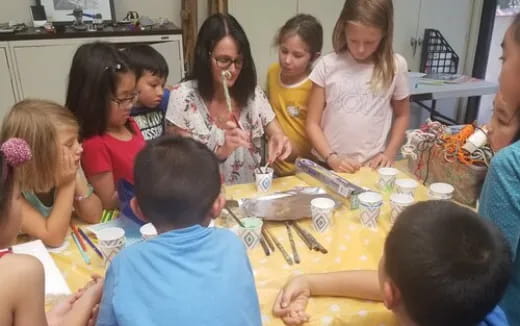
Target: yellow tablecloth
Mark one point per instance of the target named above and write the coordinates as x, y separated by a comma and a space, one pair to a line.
350, 246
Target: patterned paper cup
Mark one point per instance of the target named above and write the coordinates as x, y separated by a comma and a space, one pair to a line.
440, 191
387, 178
111, 241
264, 179
148, 231
370, 204
251, 232
322, 210
406, 186
399, 202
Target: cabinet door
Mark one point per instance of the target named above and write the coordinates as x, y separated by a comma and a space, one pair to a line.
452, 19
6, 87
44, 70
261, 20
327, 13
406, 19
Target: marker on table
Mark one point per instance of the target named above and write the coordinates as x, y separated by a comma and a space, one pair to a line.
84, 255
91, 244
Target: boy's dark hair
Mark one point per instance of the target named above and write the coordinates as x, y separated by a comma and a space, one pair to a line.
144, 58
450, 265
214, 29
93, 79
307, 27
177, 180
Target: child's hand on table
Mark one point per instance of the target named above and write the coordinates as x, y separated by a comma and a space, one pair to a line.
292, 300
343, 164
381, 160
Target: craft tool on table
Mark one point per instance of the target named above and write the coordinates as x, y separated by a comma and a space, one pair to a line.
280, 247
80, 239
91, 244
296, 257
266, 238
303, 237
315, 244
83, 254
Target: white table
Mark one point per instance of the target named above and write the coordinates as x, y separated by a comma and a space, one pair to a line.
425, 90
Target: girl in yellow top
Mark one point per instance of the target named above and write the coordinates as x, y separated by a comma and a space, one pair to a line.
299, 43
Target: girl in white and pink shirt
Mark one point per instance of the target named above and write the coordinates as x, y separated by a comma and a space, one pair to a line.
359, 107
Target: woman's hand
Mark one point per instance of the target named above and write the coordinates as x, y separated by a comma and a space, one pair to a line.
234, 138
279, 147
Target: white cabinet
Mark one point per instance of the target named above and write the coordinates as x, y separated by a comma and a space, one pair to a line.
7, 91
42, 66
406, 19
261, 20
43, 69
451, 18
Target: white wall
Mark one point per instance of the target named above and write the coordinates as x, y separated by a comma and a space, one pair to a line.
493, 67
18, 10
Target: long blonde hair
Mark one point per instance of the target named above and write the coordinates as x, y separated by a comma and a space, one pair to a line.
38, 122
375, 13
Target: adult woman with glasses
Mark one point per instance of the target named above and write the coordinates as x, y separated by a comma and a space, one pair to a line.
232, 127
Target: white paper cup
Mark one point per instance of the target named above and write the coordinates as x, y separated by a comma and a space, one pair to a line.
478, 139
111, 241
387, 178
148, 231
406, 186
322, 210
440, 191
264, 180
251, 232
399, 202
370, 204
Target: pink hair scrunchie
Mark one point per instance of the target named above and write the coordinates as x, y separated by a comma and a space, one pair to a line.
16, 151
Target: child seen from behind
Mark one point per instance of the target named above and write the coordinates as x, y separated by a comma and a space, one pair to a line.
190, 274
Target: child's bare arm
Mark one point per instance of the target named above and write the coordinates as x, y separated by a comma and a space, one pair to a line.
52, 229
315, 108
292, 299
22, 291
105, 189
352, 284
88, 207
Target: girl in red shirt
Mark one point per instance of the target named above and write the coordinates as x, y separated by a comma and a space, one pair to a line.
101, 93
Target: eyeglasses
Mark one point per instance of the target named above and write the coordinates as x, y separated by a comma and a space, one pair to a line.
131, 100
224, 62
